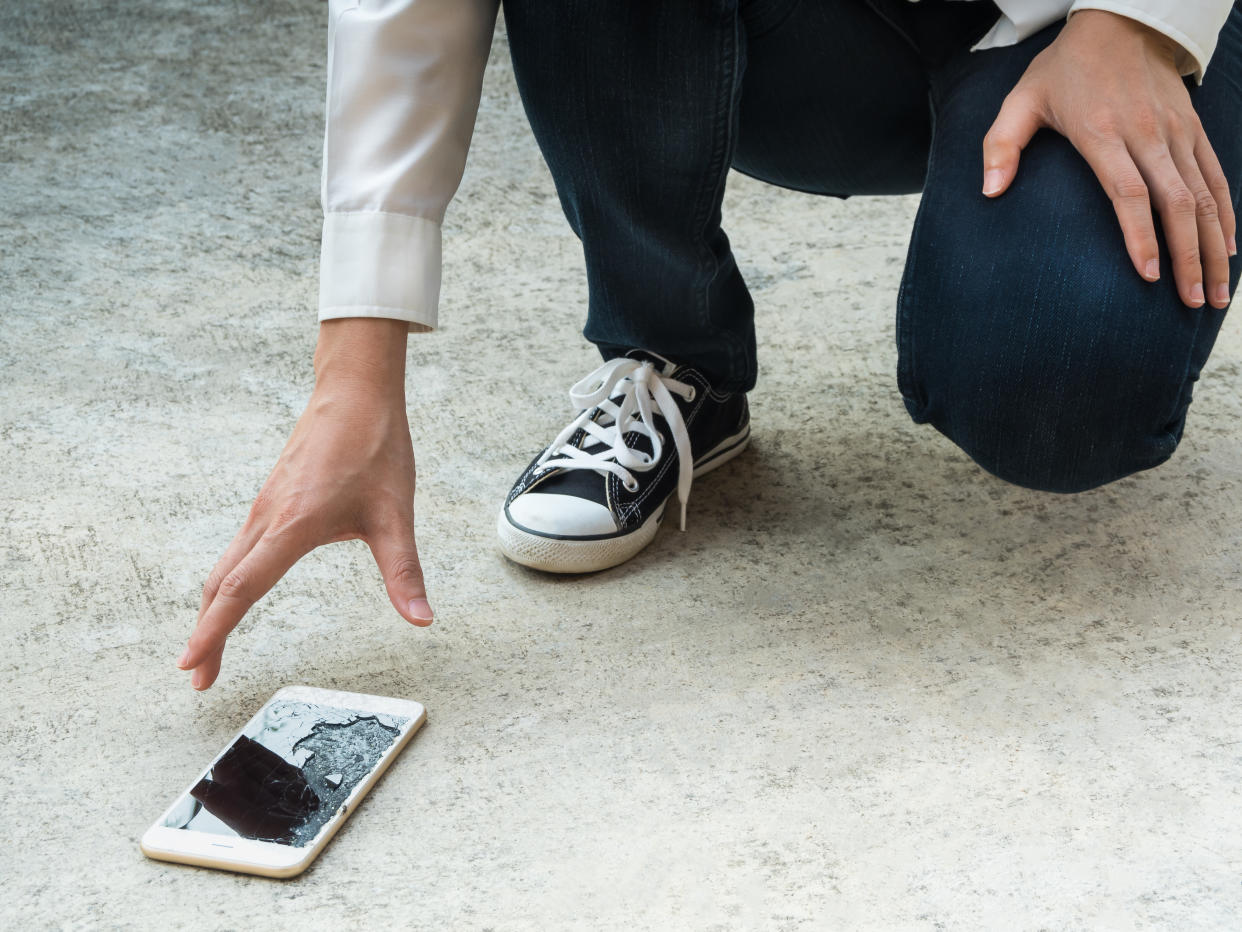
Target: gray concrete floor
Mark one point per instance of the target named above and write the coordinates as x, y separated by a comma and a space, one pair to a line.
870, 686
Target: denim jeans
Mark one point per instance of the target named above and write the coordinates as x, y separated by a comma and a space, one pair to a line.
1024, 333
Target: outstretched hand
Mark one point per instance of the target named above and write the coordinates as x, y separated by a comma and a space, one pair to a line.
346, 473
1110, 85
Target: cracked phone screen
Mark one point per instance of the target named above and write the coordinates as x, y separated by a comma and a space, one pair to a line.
288, 774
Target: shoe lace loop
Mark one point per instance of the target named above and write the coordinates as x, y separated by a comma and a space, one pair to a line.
642, 391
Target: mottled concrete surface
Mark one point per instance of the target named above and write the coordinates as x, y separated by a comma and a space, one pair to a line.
869, 687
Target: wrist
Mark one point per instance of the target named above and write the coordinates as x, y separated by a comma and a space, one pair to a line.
362, 354
1118, 23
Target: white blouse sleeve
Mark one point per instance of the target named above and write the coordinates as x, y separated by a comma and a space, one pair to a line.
404, 79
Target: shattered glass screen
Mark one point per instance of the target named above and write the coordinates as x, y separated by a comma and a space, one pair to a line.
288, 774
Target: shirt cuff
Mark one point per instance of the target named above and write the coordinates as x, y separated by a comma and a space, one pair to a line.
1192, 57
380, 264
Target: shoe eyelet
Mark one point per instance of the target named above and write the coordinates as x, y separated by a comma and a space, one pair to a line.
693, 393
630, 487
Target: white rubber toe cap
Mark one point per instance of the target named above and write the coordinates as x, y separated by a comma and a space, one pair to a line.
561, 515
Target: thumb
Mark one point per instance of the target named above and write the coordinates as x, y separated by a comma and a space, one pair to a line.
1013, 128
396, 555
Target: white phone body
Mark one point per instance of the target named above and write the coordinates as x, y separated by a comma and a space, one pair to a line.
337, 728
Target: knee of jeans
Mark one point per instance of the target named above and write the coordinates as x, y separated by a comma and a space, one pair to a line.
1061, 416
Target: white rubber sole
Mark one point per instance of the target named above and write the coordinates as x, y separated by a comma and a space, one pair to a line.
556, 555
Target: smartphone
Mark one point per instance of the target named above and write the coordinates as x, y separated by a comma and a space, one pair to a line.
272, 799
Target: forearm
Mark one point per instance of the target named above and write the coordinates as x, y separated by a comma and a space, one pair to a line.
404, 79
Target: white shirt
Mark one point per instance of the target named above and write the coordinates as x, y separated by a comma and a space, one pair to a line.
404, 79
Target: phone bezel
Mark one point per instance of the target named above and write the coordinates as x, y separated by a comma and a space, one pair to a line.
271, 858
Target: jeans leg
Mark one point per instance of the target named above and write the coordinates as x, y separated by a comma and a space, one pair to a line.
641, 106
634, 105
1024, 334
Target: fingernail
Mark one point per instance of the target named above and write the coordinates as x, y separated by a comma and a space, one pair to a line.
1196, 293
1222, 294
420, 609
183, 659
993, 178
1153, 270
1232, 245
196, 680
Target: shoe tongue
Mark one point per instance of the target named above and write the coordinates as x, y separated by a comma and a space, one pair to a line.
585, 483
638, 441
665, 366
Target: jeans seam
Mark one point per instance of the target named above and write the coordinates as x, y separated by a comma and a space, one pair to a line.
905, 329
1164, 424
877, 7
724, 131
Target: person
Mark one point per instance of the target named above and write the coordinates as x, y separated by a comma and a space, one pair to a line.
1052, 326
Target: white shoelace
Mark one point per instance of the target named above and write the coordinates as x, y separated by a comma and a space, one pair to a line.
640, 385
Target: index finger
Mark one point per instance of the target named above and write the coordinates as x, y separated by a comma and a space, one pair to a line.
251, 579
237, 549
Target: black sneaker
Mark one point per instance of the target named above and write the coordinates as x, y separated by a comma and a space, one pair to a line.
595, 497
